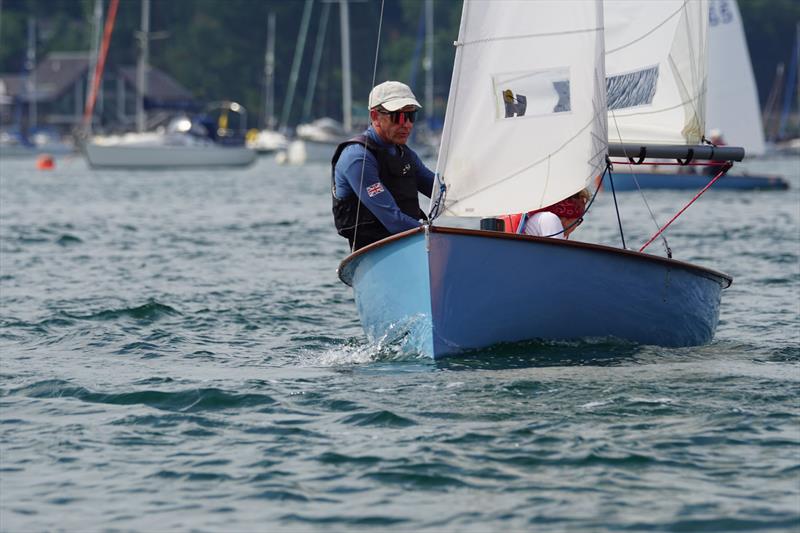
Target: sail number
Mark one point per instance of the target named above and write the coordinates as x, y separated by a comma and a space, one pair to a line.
719, 12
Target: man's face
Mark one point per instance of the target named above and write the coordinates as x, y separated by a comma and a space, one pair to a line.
393, 127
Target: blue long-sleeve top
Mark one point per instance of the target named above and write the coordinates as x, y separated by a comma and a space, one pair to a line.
348, 180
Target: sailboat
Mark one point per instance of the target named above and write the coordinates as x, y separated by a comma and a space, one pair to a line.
733, 114
184, 143
318, 139
447, 290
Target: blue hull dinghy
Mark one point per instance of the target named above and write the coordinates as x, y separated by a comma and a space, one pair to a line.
452, 291
538, 90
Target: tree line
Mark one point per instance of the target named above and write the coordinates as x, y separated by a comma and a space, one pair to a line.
216, 48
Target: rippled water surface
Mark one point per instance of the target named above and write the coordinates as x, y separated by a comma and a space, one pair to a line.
179, 354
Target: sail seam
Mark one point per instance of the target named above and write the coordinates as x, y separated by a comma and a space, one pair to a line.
528, 36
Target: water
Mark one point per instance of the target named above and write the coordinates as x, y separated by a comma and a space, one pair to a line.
179, 354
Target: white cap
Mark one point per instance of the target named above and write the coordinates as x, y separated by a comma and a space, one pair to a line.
392, 96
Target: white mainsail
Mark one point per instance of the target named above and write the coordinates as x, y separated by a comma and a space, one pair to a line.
733, 106
656, 61
526, 117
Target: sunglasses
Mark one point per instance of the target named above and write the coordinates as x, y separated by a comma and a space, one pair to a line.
401, 116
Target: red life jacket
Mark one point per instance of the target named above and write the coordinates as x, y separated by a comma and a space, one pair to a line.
511, 222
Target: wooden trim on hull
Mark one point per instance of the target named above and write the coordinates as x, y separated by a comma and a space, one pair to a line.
724, 279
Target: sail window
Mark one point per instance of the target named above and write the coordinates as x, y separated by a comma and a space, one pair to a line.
632, 89
532, 93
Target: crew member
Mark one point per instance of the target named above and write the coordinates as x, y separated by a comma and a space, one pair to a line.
376, 178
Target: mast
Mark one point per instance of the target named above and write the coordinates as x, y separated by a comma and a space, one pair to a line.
298, 57
101, 61
30, 64
427, 64
142, 67
312, 77
775, 92
792, 86
347, 95
97, 24
269, 74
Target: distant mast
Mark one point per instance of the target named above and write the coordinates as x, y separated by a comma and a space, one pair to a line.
427, 64
141, 66
347, 95
298, 58
269, 75
97, 25
30, 66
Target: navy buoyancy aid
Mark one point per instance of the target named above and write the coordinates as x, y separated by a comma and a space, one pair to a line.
397, 173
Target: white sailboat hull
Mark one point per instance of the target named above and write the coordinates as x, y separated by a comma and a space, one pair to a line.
168, 156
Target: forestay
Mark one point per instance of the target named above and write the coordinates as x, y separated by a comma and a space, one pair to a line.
526, 116
733, 106
656, 55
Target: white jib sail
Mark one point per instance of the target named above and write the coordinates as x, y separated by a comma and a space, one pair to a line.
656, 61
733, 106
526, 119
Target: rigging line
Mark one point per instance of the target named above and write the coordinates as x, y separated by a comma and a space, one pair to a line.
616, 205
364, 161
721, 173
651, 31
638, 187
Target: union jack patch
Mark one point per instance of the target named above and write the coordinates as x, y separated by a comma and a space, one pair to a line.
375, 188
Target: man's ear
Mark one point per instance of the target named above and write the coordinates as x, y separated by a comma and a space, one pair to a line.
373, 115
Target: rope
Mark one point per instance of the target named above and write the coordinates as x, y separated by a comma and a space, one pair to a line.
436, 207
364, 161
691, 101
616, 205
721, 173
638, 187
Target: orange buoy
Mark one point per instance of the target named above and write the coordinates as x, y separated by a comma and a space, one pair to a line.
45, 162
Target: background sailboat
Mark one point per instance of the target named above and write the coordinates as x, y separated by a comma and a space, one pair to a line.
449, 290
321, 136
733, 106
184, 143
733, 113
